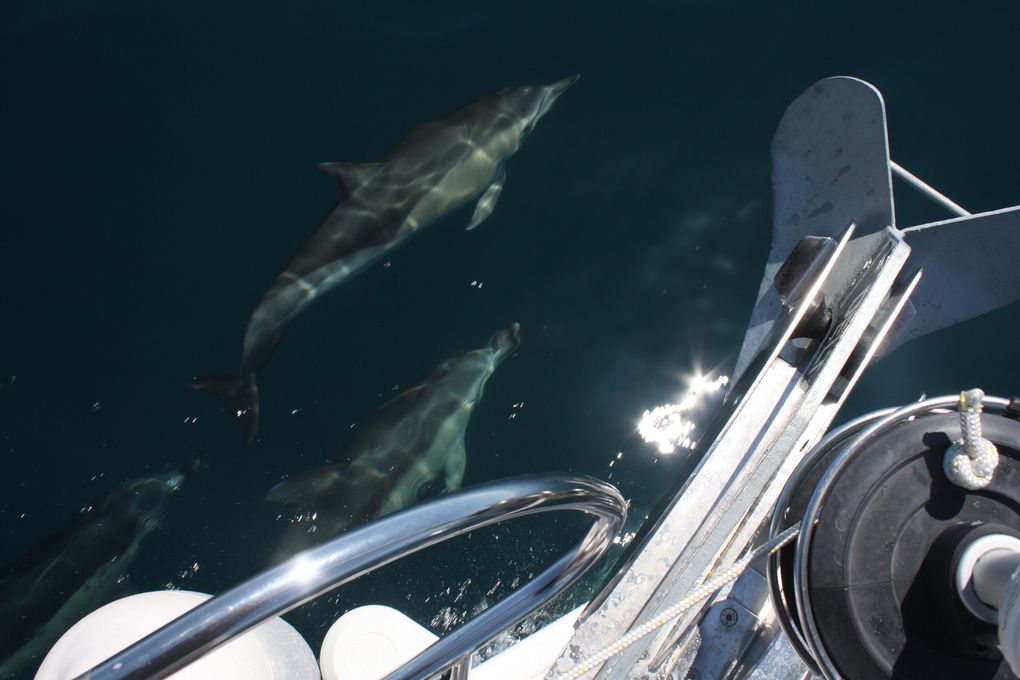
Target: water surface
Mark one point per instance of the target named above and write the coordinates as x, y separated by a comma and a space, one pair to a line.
158, 174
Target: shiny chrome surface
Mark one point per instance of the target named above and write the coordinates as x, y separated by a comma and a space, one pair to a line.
830, 168
866, 436
781, 520
785, 410
642, 585
928, 190
788, 389
319, 570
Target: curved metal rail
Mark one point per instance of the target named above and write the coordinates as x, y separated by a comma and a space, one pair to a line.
869, 428
319, 570
820, 454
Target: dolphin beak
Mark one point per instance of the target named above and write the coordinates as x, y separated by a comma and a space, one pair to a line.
561, 86
506, 341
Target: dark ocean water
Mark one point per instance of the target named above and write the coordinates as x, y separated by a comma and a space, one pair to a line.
158, 173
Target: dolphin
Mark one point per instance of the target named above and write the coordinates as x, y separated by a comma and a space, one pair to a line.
437, 167
7, 382
77, 569
408, 444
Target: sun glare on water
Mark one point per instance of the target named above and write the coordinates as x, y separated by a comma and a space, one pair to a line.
668, 427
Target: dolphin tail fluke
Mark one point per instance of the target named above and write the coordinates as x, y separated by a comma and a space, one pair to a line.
241, 394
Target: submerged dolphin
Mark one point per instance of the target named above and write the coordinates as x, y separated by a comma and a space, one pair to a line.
435, 168
74, 571
412, 441
7, 382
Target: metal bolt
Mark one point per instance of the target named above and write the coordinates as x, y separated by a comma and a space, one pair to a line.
694, 674
728, 617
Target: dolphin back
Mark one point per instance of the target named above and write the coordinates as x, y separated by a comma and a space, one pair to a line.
410, 442
438, 166
305, 489
76, 569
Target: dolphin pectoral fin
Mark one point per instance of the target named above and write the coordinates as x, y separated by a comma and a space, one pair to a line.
241, 394
403, 496
351, 175
487, 201
287, 492
455, 465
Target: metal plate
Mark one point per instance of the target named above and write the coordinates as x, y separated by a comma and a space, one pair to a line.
830, 167
969, 268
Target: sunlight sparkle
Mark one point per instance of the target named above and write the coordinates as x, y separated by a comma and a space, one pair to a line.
668, 427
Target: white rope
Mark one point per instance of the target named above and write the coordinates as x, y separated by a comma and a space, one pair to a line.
700, 593
971, 461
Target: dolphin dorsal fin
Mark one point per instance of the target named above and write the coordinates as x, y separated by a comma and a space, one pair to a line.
351, 175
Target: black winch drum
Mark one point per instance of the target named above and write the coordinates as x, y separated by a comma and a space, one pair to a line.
866, 591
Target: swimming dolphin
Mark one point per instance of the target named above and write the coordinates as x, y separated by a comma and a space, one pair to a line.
409, 443
437, 167
77, 569
7, 382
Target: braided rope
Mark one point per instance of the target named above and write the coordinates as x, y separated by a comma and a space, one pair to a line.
698, 594
971, 461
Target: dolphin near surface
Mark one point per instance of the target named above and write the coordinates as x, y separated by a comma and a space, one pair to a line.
437, 167
77, 569
411, 442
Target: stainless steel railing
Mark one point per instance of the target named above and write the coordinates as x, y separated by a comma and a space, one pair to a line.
321, 569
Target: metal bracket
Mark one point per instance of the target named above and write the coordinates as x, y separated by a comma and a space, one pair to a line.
735, 631
826, 307
779, 409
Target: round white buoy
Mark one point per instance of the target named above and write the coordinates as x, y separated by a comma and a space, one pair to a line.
368, 642
271, 651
